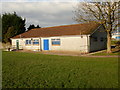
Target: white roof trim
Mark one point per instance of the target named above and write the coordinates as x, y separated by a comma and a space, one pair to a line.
96, 29
53, 36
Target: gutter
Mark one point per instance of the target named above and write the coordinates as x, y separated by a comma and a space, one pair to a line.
40, 44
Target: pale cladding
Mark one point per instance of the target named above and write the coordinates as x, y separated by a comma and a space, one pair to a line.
68, 43
22, 44
71, 44
13, 42
31, 46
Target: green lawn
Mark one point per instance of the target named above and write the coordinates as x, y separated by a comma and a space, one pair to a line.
115, 52
34, 70
108, 54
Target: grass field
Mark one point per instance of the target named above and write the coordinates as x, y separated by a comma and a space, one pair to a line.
33, 70
107, 54
115, 51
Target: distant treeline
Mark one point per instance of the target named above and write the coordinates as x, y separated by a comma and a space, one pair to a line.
12, 25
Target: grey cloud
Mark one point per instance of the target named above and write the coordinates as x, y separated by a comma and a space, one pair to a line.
42, 13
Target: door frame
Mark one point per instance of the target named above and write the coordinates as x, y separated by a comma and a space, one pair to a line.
17, 44
44, 46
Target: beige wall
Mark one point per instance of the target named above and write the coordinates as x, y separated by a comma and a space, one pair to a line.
69, 43
23, 46
14, 43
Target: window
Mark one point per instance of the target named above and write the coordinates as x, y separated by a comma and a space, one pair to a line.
101, 39
28, 42
36, 41
118, 37
95, 39
55, 41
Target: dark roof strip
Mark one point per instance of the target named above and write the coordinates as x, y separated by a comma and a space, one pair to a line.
75, 29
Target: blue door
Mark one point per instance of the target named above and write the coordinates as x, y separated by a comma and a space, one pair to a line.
46, 44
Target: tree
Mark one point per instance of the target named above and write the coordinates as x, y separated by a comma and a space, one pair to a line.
11, 22
33, 26
9, 34
38, 26
105, 13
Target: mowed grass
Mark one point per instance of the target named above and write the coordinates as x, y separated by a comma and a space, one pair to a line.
107, 54
115, 52
34, 70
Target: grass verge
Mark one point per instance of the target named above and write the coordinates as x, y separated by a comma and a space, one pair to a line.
30, 70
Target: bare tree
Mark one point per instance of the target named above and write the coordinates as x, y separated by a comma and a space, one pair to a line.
105, 13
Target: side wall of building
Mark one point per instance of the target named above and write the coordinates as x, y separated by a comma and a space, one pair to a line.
23, 45
98, 40
67, 43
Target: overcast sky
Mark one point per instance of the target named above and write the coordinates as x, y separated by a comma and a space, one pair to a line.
44, 13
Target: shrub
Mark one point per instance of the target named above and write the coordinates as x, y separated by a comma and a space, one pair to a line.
5, 46
117, 43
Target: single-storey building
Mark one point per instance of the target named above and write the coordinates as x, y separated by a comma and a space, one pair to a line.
116, 35
86, 37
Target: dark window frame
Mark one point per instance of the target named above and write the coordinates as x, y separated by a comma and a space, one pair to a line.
27, 42
95, 39
36, 42
56, 42
101, 39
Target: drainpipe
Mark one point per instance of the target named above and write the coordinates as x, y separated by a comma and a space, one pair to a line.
32, 44
88, 43
40, 44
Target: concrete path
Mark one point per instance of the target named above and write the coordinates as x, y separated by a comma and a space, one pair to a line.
64, 53
118, 56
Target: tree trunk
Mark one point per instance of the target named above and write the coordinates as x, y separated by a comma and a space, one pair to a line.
109, 42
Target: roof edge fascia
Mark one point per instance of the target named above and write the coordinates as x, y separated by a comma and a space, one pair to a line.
96, 29
53, 36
